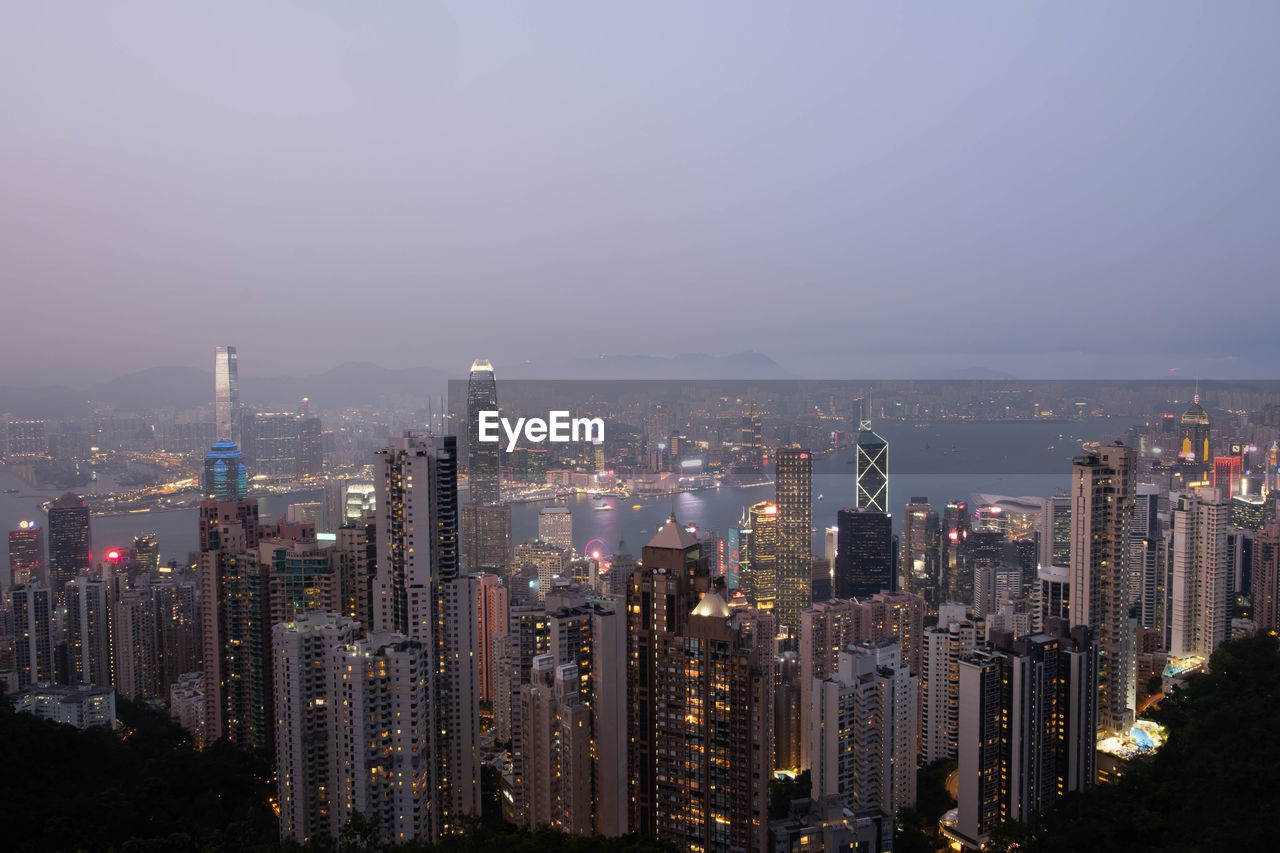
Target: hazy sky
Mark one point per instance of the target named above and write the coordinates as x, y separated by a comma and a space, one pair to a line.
855, 188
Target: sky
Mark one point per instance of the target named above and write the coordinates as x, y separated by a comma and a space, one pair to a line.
854, 188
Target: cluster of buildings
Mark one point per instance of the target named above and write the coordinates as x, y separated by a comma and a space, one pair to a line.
391, 669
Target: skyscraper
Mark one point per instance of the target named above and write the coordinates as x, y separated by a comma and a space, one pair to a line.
482, 457
486, 538
865, 561
26, 554
1145, 547
872, 455
225, 476
944, 646
794, 566
68, 541
919, 562
1198, 597
1102, 497
1055, 531
226, 394
1194, 444
555, 526
89, 631
34, 625
762, 589
420, 593
491, 625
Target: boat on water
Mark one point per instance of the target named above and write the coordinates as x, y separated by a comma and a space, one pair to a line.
11, 491
635, 506
602, 506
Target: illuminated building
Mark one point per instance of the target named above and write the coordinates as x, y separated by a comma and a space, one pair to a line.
352, 716
1226, 476
34, 625
1145, 537
993, 584
945, 645
491, 623
226, 394
177, 631
146, 553
1266, 577
865, 561
1102, 497
1248, 512
301, 575
762, 591
548, 561
482, 457
89, 632
738, 553
1054, 595
1055, 532
699, 701
1026, 729
135, 646
1194, 435
794, 563
355, 559
918, 564
81, 705
786, 713
872, 458
1199, 600
69, 545
956, 562
555, 526
26, 554
863, 728
225, 476
26, 440
418, 592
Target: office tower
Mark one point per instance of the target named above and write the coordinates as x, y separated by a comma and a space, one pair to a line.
226, 394
1027, 733
274, 446
555, 526
1102, 497
225, 476
750, 440
872, 458
864, 560
486, 537
354, 556
993, 584
1194, 444
420, 593
235, 631
34, 626
1055, 531
1266, 577
956, 563
762, 590
69, 546
1144, 547
1199, 599
353, 714
26, 554
1226, 476
146, 553
177, 631
794, 565
310, 455
547, 562
135, 646
863, 730
918, 564
1053, 599
482, 457
491, 625
89, 631
945, 645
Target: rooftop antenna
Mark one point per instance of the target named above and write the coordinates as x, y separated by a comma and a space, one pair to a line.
1196, 398
865, 422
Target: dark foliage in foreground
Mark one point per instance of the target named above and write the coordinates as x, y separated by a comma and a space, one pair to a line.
146, 790
1214, 786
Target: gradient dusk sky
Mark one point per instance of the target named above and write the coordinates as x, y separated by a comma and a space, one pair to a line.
854, 188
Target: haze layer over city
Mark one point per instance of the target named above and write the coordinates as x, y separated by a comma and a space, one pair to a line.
621, 427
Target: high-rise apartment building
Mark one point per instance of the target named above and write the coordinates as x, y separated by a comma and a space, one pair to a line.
491, 626
26, 554
1055, 531
420, 593
1266, 577
555, 526
34, 627
945, 645
1199, 594
863, 730
482, 457
1102, 497
794, 549
89, 649
486, 538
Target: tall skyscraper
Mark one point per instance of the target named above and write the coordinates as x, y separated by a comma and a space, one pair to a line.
762, 590
1055, 531
1199, 599
1102, 497
421, 594
486, 538
226, 394
1146, 539
26, 554
491, 624
89, 631
482, 457
918, 565
794, 566
555, 526
225, 476
945, 645
872, 457
956, 559
865, 561
34, 626
69, 544
1194, 444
